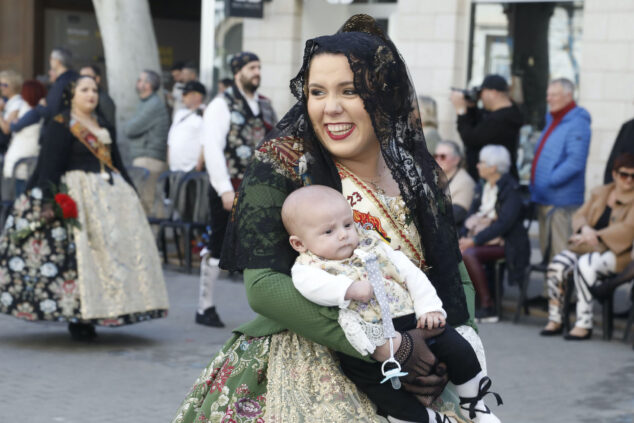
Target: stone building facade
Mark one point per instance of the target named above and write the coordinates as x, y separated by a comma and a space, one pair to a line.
433, 37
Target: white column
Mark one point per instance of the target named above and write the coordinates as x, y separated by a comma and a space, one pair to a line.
606, 78
207, 42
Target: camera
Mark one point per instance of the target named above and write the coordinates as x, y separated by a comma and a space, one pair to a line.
471, 95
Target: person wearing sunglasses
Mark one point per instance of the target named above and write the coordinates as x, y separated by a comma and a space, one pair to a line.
601, 244
448, 155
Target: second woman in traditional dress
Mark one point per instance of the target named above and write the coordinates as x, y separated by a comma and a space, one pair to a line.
104, 269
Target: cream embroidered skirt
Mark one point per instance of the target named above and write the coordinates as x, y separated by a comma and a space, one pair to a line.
108, 272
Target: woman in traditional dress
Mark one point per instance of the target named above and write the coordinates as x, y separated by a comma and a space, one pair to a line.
354, 128
105, 270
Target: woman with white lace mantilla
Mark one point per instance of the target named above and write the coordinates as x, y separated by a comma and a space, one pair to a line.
355, 128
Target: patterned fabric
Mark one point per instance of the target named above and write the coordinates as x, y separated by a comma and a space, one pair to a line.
388, 216
400, 302
233, 386
590, 268
43, 277
245, 130
376, 279
558, 269
118, 265
587, 270
313, 389
240, 60
99, 147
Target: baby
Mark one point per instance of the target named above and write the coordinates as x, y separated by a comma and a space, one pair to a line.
332, 270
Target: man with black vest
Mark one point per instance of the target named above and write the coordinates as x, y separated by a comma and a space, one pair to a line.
233, 124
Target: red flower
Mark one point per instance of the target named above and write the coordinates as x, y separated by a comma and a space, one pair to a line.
67, 204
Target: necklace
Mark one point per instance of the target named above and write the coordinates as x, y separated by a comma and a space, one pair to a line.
375, 182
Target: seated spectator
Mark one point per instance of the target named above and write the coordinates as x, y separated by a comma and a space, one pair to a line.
601, 244
184, 143
10, 86
24, 143
106, 107
449, 157
429, 120
494, 228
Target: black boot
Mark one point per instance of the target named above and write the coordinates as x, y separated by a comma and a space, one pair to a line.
209, 318
82, 331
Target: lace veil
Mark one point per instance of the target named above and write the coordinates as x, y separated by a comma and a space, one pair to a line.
382, 81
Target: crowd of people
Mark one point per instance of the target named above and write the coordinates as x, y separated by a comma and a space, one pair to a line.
492, 217
364, 237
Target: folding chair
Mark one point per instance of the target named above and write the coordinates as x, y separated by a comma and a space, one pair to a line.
190, 216
167, 187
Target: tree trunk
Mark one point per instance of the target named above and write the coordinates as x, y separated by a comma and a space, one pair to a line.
129, 46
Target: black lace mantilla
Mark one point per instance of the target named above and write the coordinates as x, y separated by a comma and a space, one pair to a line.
382, 80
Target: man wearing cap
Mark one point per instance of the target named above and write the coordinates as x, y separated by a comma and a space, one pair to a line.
233, 124
184, 140
498, 123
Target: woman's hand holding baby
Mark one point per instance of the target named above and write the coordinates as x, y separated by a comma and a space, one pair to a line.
431, 320
360, 291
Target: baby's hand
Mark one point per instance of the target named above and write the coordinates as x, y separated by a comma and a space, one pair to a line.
431, 320
360, 291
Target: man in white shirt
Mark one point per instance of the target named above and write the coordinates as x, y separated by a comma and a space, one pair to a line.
233, 124
184, 141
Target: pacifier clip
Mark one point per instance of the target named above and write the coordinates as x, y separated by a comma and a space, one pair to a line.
374, 276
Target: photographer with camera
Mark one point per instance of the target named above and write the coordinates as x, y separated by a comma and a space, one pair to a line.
498, 122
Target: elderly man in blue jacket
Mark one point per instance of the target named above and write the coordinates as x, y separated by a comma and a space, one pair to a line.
559, 166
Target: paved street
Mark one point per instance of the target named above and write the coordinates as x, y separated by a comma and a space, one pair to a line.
140, 373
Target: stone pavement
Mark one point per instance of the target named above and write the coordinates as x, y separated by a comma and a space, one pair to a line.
140, 373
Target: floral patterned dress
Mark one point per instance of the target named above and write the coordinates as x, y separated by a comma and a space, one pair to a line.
105, 272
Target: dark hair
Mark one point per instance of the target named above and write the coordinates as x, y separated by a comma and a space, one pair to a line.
69, 90
94, 68
177, 66
190, 65
623, 160
226, 82
153, 78
33, 91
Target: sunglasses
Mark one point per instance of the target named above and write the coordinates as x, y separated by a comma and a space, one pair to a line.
441, 157
625, 175
3, 84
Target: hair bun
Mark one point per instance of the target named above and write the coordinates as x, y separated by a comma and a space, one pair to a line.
363, 23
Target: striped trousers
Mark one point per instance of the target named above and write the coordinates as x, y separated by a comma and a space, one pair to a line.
587, 270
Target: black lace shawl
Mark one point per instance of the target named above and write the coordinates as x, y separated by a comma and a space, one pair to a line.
382, 80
